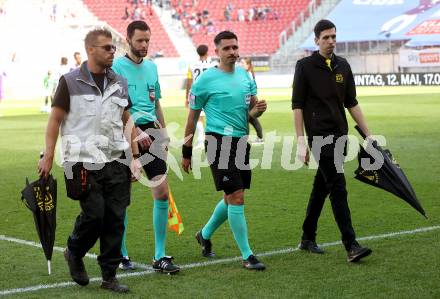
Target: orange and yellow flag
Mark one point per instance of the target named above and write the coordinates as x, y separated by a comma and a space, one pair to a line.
174, 219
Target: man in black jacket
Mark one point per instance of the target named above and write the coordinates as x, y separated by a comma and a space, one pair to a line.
323, 86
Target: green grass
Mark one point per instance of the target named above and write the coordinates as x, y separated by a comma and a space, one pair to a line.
400, 267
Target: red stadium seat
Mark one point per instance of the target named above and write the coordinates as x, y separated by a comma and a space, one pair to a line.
112, 12
257, 37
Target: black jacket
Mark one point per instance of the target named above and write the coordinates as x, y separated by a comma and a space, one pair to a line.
322, 94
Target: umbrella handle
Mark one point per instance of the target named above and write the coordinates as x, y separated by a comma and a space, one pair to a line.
49, 268
360, 131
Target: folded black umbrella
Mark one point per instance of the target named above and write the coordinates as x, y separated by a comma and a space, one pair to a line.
389, 176
40, 197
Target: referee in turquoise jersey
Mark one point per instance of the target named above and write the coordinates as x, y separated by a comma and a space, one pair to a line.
144, 91
228, 96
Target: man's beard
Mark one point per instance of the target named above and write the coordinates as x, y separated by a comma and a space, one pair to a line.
136, 53
231, 60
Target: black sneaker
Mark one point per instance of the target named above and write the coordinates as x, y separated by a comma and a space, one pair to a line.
165, 265
310, 246
205, 244
76, 268
357, 252
112, 284
252, 263
126, 264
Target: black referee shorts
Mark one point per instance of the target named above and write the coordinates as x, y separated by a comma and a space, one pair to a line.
229, 162
152, 165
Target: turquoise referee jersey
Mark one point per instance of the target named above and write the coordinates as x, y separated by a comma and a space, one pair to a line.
225, 98
143, 87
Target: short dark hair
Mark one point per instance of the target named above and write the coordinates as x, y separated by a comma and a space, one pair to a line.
93, 35
140, 25
64, 60
76, 53
224, 35
321, 26
202, 50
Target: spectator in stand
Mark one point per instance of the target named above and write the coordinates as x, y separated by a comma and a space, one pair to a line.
240, 15
251, 14
227, 14
230, 7
210, 28
179, 12
137, 13
126, 14
270, 13
260, 13
174, 14
199, 18
143, 14
53, 16
205, 21
193, 25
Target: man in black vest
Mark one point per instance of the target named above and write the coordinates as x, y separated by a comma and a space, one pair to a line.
323, 86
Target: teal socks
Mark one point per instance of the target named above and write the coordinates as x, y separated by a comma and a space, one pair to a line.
219, 216
237, 221
160, 222
124, 237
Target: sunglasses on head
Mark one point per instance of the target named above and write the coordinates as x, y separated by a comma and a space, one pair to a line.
108, 48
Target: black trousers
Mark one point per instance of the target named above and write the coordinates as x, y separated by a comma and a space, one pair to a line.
329, 182
102, 216
257, 126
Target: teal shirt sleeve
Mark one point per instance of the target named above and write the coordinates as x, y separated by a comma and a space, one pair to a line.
253, 84
253, 87
157, 91
198, 95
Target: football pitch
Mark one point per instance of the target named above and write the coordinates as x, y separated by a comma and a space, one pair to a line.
405, 262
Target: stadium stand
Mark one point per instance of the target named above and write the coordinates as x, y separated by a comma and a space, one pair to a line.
387, 36
120, 13
257, 23
57, 30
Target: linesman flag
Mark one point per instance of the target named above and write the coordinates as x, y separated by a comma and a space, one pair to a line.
174, 219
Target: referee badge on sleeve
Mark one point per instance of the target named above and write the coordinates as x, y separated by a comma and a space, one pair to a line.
152, 93
192, 99
248, 99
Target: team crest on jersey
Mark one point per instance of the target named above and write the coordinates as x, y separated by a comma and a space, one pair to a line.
192, 99
248, 99
339, 78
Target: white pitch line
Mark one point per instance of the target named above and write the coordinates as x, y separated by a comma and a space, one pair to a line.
195, 265
35, 244
61, 249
